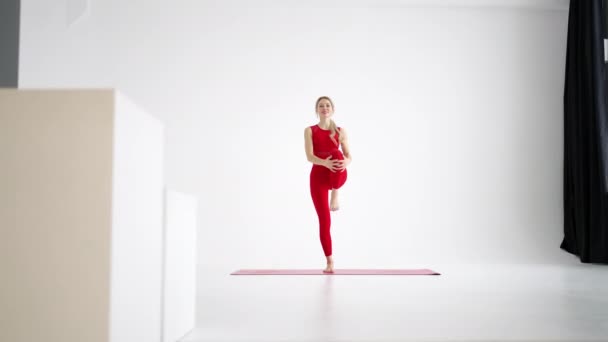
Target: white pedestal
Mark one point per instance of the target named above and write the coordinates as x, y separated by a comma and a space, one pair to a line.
179, 290
81, 198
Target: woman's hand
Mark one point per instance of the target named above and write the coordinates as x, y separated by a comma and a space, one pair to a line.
332, 165
343, 164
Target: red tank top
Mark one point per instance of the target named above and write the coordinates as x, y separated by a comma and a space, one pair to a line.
322, 143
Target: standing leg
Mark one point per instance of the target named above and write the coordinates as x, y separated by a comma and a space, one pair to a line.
319, 191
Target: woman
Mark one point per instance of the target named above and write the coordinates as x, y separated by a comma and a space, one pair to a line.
323, 142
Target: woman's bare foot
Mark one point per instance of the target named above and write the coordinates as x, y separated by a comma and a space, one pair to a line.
330, 265
334, 205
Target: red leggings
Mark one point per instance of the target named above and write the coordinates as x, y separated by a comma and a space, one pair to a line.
321, 181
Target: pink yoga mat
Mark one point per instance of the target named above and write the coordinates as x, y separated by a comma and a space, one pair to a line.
338, 272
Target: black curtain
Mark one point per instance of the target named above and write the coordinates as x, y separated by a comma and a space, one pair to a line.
586, 134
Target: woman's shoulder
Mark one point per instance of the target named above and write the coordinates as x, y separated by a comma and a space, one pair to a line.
308, 129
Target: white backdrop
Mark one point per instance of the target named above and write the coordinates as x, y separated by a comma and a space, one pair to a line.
454, 110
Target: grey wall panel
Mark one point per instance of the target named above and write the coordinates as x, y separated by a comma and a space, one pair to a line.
9, 42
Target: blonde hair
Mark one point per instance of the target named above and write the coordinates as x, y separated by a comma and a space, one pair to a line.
332, 124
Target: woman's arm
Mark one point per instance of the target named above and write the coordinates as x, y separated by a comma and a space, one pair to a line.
345, 149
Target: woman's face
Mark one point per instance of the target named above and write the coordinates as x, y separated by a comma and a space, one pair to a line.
324, 108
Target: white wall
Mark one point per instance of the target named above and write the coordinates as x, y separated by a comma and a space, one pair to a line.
453, 108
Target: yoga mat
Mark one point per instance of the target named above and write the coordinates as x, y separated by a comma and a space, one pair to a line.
337, 272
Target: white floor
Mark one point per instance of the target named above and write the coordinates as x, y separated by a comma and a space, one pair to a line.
566, 302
